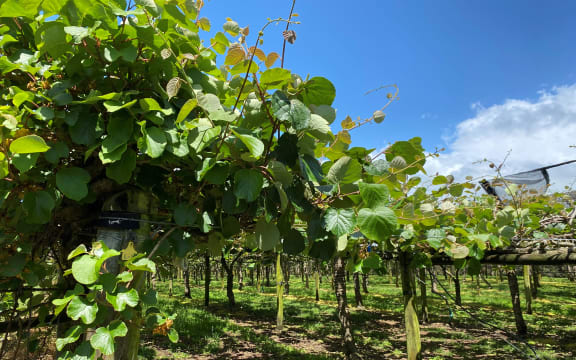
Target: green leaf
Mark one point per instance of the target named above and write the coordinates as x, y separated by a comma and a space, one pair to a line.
81, 308
17, 8
267, 235
209, 102
80, 249
149, 104
318, 91
119, 132
28, 144
326, 111
439, 180
121, 171
459, 251
275, 78
173, 335
344, 171
185, 215
232, 27
84, 269
150, 297
199, 138
377, 168
155, 142
230, 227
142, 264
149, 5
320, 128
292, 111
73, 182
254, 145
38, 206
311, 168
340, 221
248, 184
218, 174
103, 338
293, 242
71, 336
57, 151
113, 106
123, 298
11, 266
78, 33
374, 195
435, 237
377, 224
185, 110
24, 162
55, 39
280, 173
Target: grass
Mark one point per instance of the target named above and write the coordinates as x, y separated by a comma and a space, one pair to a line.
312, 330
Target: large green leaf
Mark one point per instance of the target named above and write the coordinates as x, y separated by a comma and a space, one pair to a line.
248, 184
320, 128
344, 171
28, 144
377, 224
123, 298
280, 172
340, 221
73, 182
24, 162
38, 205
103, 338
290, 110
374, 195
81, 308
55, 39
254, 145
267, 235
411, 151
12, 265
121, 171
293, 242
142, 264
155, 142
275, 78
119, 132
84, 269
435, 237
185, 215
17, 8
318, 91
71, 336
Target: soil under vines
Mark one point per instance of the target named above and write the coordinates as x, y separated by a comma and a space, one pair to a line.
248, 331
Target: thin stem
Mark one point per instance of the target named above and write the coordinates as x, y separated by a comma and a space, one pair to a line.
287, 25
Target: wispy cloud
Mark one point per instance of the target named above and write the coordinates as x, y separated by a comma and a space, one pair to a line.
528, 134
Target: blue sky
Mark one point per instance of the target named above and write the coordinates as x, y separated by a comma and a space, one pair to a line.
452, 60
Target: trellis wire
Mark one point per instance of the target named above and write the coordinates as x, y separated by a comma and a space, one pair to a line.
506, 332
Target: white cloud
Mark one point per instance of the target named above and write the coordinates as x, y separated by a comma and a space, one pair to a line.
533, 134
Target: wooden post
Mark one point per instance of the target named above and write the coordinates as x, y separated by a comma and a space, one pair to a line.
516, 307
279, 293
527, 288
343, 313
207, 279
357, 292
413, 343
423, 296
317, 282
